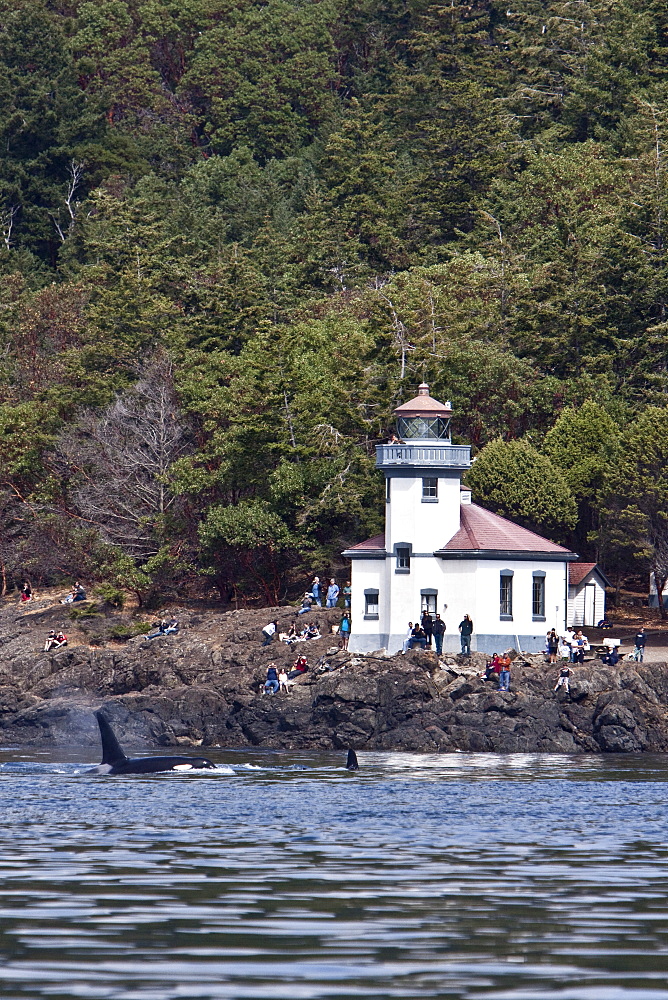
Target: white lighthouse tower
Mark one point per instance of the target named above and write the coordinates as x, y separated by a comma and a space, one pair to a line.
442, 554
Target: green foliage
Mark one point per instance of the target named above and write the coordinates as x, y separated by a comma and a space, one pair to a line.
129, 631
584, 445
305, 210
515, 480
635, 497
84, 611
111, 595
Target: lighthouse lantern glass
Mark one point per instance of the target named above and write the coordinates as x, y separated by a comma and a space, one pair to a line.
424, 428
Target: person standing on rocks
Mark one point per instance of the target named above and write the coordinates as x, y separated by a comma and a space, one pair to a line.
552, 645
504, 675
639, 651
269, 631
466, 631
438, 631
344, 630
563, 679
347, 593
332, 593
315, 591
427, 624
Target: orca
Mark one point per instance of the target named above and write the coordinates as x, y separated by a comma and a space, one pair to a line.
351, 763
114, 760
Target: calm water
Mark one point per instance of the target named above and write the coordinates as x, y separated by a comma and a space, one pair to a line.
285, 876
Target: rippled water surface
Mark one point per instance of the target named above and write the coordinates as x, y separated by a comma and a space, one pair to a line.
286, 876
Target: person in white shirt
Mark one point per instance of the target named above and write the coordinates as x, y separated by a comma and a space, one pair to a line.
269, 631
569, 636
409, 636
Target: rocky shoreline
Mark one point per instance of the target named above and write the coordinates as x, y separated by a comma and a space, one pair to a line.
202, 688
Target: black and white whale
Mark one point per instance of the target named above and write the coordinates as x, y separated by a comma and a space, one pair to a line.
351, 763
114, 760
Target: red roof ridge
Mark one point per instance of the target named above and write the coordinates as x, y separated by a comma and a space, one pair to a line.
578, 571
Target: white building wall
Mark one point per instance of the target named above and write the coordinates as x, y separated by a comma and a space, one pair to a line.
475, 586
368, 634
464, 586
425, 525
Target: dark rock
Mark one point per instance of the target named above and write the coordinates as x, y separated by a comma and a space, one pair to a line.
203, 688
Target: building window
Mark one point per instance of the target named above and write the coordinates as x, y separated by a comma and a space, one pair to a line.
387, 489
428, 601
371, 604
430, 490
506, 594
538, 602
403, 558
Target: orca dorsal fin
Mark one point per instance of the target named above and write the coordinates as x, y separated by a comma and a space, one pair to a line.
351, 763
111, 751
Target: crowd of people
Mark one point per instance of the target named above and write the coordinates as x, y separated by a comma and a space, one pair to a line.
498, 669
330, 592
424, 632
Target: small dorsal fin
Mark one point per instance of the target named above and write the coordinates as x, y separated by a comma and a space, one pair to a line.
111, 751
351, 763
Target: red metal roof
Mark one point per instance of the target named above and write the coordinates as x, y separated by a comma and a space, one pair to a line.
377, 542
578, 571
480, 529
422, 405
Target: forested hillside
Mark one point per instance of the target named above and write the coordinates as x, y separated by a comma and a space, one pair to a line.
236, 234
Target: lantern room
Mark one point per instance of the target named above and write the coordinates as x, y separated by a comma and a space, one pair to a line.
424, 418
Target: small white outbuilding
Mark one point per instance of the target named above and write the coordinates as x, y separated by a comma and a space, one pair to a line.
443, 554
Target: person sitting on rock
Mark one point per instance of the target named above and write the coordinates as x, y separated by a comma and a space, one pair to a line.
284, 682
271, 685
418, 637
307, 603
611, 657
26, 593
407, 640
290, 636
299, 667
313, 631
60, 639
493, 668
77, 593
172, 626
167, 626
50, 640
563, 679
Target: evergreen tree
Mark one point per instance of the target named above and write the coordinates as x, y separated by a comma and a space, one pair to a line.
515, 480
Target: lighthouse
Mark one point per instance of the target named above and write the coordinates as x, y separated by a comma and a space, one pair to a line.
442, 554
